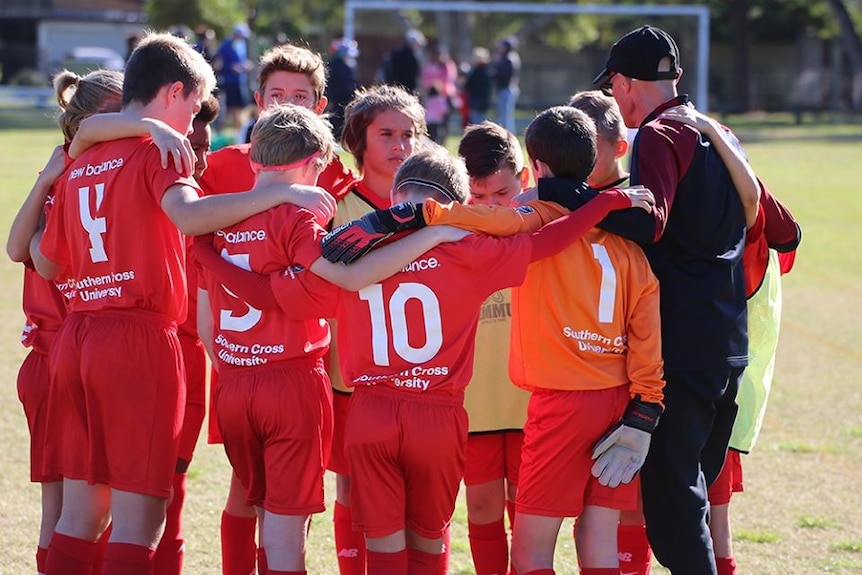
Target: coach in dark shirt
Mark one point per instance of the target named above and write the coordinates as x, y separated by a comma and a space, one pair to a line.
694, 240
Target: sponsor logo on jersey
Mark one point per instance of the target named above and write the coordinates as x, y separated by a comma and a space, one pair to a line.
525, 210
97, 169
292, 272
242, 236
421, 265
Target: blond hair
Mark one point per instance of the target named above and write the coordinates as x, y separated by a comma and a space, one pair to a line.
604, 111
81, 97
285, 134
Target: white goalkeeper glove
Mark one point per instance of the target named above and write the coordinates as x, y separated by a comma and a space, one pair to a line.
620, 454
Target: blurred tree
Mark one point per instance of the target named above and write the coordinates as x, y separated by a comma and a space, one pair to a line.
220, 15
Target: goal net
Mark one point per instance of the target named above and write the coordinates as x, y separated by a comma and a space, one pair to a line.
562, 46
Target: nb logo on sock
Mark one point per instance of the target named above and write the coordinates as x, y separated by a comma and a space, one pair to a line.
349, 553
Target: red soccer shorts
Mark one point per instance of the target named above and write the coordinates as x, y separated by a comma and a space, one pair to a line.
33, 385
406, 456
117, 400
493, 455
195, 362
276, 421
561, 430
340, 408
729, 481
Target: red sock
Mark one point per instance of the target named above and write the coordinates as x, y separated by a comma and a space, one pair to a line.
169, 553
101, 545
540, 572
489, 545
421, 563
127, 559
635, 553
70, 556
262, 565
238, 550
726, 565
443, 559
387, 563
349, 544
600, 571
41, 559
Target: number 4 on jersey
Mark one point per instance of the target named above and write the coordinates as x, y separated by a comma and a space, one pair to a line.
94, 227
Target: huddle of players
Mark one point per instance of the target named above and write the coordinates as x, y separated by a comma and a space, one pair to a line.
404, 443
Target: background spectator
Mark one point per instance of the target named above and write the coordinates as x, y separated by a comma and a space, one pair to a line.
402, 65
232, 65
507, 72
341, 71
478, 87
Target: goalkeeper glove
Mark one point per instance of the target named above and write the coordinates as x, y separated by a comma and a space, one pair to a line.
621, 453
349, 242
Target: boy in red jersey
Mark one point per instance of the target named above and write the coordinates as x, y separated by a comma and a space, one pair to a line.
496, 411
411, 363
274, 398
45, 301
119, 416
382, 127
600, 326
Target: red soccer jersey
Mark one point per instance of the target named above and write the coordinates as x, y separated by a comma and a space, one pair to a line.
45, 301
108, 226
244, 336
414, 331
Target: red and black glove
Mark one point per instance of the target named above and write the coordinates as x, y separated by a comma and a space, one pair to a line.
349, 242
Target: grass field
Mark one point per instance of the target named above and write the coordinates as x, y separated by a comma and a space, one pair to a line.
802, 510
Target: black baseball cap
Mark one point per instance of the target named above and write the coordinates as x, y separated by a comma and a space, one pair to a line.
637, 55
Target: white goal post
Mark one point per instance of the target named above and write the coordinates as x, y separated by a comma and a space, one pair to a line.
701, 12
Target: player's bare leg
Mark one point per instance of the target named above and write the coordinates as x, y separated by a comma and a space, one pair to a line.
137, 519
86, 510
534, 538
489, 543
719, 529
596, 537
52, 505
284, 539
486, 502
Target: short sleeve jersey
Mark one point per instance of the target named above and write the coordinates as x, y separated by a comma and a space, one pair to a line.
109, 228
414, 331
266, 242
44, 301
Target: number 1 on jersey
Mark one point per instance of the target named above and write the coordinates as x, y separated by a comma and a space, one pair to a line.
608, 290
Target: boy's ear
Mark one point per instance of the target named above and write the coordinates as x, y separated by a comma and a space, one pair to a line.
621, 148
524, 178
175, 91
320, 107
258, 99
540, 169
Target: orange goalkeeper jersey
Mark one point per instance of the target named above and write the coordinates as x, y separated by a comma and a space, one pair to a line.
587, 318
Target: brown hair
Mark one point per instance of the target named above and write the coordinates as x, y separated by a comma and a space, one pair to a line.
285, 134
367, 105
438, 168
160, 60
488, 147
81, 97
604, 111
565, 139
296, 59
210, 109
